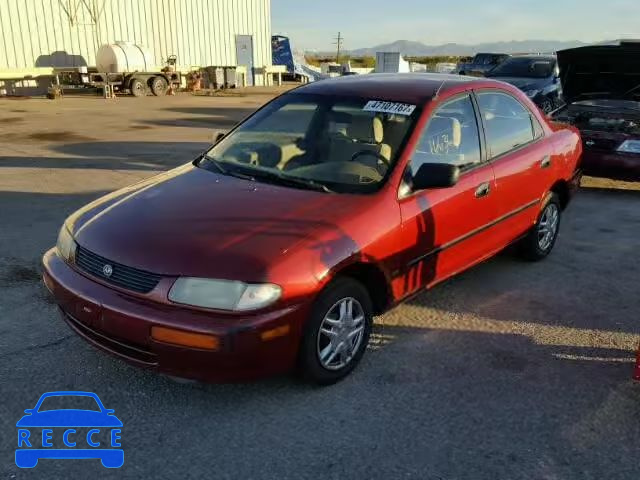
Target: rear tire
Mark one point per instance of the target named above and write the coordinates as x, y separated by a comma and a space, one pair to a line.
159, 86
543, 235
138, 88
337, 332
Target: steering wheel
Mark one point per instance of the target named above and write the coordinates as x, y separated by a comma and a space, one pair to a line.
378, 155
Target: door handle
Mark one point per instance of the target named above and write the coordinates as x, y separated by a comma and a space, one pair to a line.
545, 162
483, 190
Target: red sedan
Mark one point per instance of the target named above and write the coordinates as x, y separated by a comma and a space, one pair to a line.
329, 205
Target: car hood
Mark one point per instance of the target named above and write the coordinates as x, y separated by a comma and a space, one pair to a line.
525, 83
69, 418
608, 69
193, 222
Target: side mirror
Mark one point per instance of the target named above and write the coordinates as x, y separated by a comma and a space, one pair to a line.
436, 175
218, 136
29, 410
109, 411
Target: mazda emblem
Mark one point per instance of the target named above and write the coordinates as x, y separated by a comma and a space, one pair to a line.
107, 270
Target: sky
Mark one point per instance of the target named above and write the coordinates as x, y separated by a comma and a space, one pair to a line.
313, 24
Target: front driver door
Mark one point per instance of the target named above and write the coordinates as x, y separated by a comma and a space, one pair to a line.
445, 230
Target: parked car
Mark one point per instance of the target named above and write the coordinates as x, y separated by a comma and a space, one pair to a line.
535, 75
327, 206
601, 85
481, 64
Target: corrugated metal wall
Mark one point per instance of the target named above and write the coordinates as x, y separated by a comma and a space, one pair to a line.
44, 33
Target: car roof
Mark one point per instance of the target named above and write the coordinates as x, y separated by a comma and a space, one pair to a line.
413, 88
533, 56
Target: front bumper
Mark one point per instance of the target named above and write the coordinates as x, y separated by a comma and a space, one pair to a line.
614, 165
120, 324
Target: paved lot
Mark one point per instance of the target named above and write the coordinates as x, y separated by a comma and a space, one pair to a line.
510, 371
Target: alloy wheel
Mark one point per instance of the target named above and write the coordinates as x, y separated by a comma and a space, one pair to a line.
340, 334
548, 226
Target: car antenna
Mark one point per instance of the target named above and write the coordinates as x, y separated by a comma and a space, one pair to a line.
439, 88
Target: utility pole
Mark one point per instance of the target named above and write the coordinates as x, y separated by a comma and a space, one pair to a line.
338, 42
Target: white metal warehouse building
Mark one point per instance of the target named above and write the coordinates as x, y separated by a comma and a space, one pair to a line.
40, 34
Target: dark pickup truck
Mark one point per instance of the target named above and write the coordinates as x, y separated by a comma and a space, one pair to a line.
481, 64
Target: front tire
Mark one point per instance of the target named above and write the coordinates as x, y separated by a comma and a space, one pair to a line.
542, 237
337, 333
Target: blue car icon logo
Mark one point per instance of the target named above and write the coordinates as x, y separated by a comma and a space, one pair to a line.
53, 430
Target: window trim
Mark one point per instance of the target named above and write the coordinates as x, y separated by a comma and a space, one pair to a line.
489, 159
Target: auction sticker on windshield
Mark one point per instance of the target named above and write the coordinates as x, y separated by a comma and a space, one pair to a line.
389, 107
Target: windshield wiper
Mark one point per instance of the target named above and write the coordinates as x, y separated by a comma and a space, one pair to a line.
223, 170
213, 161
274, 176
294, 181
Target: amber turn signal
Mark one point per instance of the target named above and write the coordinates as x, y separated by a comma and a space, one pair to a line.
185, 339
280, 331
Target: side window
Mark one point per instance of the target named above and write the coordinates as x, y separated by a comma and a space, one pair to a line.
507, 122
451, 136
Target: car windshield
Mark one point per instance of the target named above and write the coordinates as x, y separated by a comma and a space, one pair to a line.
486, 59
342, 144
69, 402
524, 67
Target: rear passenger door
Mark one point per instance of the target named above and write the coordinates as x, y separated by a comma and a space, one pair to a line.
518, 155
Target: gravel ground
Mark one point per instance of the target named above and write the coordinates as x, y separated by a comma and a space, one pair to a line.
510, 371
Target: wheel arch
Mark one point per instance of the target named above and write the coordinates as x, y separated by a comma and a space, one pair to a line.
373, 279
562, 190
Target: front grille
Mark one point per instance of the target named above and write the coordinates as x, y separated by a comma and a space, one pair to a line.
121, 275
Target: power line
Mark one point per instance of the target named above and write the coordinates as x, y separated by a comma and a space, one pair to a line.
338, 42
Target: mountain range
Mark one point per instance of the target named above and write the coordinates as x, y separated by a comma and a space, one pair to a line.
419, 49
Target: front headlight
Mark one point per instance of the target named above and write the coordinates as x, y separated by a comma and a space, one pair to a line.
66, 245
223, 294
532, 93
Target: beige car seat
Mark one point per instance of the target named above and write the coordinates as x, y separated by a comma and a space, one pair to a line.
362, 133
443, 140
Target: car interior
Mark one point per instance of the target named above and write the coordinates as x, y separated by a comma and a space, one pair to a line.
343, 143
451, 136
